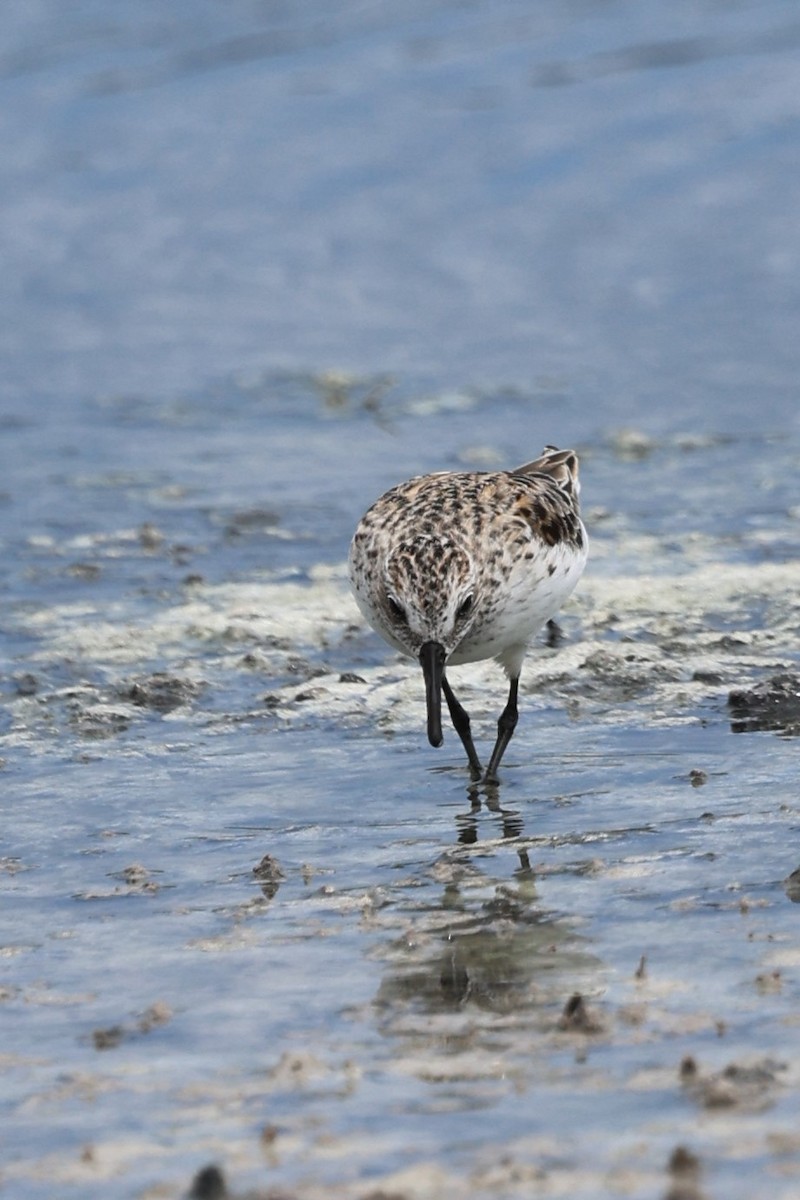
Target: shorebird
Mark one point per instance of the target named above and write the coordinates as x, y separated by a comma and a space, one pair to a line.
456, 567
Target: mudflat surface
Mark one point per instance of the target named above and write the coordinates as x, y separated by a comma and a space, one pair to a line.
261, 267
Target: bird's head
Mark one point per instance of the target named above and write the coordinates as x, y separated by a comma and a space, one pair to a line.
429, 606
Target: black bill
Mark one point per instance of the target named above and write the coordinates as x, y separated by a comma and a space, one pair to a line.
431, 657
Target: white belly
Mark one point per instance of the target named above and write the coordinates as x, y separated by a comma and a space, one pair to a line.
519, 604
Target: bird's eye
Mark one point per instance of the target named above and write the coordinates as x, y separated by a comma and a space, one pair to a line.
397, 610
464, 608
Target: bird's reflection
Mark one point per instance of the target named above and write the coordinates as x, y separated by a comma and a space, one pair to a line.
467, 823
487, 944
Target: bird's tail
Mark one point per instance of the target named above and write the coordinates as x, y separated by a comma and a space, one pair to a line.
560, 465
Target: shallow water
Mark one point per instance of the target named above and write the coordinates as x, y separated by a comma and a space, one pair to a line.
261, 266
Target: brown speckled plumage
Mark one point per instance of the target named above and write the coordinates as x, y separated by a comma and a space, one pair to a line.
473, 563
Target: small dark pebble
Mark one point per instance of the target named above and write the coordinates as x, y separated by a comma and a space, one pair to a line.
310, 694
576, 1016
555, 634
712, 677
269, 874
107, 1039
137, 878
697, 778
683, 1162
160, 691
209, 1184
150, 538
27, 684
269, 1135
684, 1171
688, 1067
350, 677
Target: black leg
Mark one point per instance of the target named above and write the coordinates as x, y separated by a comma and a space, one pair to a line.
505, 731
460, 718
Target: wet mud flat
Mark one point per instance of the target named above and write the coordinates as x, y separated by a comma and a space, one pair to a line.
263, 261
258, 938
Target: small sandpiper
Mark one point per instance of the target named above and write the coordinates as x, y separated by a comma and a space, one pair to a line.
455, 567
